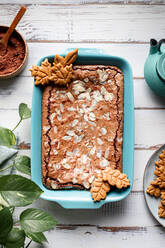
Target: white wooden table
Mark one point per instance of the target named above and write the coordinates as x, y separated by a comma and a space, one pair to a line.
121, 28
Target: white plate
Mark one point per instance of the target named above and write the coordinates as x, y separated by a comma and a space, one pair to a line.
151, 201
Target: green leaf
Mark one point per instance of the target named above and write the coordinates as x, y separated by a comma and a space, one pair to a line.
6, 223
15, 239
3, 202
7, 137
36, 220
24, 111
37, 237
22, 164
18, 191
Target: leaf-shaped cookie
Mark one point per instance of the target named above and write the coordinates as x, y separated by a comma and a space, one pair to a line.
153, 191
61, 75
99, 189
71, 57
41, 73
161, 211
163, 198
116, 178
58, 59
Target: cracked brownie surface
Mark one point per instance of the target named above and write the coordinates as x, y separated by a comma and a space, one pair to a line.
82, 127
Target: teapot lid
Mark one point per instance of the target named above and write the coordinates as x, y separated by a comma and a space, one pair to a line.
161, 67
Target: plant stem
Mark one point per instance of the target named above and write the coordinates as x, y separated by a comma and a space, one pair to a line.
17, 125
28, 244
6, 168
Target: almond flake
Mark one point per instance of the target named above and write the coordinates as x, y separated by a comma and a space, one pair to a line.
66, 138
89, 90
104, 163
103, 90
70, 96
92, 116
103, 130
84, 176
77, 138
86, 184
46, 128
79, 87
52, 117
102, 75
69, 154
54, 185
84, 158
106, 153
58, 146
108, 96
70, 132
79, 82
119, 140
97, 96
55, 151
66, 166
90, 180
54, 141
107, 116
84, 95
86, 80
74, 180
99, 153
71, 109
99, 141
92, 151
59, 117
56, 166
74, 123
85, 117
75, 151
61, 107
55, 129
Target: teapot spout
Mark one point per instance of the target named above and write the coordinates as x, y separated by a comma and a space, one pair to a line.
153, 46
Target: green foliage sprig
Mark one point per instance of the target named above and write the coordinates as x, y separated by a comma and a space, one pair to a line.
17, 191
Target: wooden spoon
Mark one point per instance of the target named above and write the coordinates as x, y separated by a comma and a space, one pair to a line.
4, 40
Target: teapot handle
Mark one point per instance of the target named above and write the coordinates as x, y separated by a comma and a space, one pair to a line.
160, 43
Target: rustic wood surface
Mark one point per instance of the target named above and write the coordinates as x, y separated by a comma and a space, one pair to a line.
120, 28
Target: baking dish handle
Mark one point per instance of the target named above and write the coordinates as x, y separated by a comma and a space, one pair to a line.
87, 51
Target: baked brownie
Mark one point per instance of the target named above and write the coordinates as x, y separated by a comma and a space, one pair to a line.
82, 127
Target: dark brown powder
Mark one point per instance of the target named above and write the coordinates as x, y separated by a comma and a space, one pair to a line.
14, 55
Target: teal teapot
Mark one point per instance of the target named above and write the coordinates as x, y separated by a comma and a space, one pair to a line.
154, 68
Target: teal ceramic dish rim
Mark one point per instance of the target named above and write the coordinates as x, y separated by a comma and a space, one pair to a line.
76, 198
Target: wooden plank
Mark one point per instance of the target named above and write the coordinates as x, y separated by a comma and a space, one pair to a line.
132, 211
81, 2
15, 91
90, 23
95, 238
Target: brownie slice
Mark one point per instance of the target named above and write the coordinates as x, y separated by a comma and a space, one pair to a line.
82, 127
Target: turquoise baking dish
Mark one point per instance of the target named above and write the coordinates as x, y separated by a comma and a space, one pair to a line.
82, 198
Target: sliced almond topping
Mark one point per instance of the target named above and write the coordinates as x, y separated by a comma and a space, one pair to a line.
70, 96
74, 123
70, 132
103, 130
99, 141
66, 138
55, 129
46, 128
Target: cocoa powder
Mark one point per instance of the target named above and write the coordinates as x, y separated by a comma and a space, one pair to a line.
14, 55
